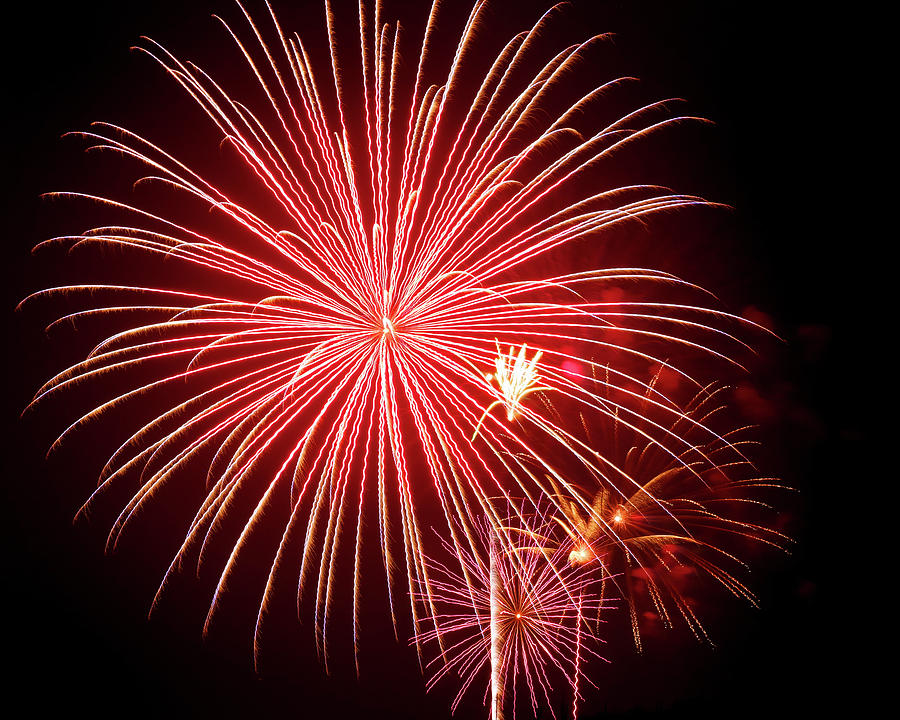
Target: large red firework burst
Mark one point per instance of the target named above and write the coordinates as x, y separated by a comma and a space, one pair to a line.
395, 285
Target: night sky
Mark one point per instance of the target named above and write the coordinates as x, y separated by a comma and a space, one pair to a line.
76, 631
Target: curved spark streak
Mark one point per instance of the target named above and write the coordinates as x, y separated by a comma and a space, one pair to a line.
372, 300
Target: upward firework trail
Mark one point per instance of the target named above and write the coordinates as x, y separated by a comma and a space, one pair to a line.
325, 356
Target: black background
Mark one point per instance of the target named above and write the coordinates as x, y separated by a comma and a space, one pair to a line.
76, 631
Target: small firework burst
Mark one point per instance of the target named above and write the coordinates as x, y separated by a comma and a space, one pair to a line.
513, 617
668, 517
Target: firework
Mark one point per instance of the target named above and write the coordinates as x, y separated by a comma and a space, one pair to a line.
516, 377
673, 518
511, 617
341, 377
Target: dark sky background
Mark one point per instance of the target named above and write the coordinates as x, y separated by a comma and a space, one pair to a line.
76, 630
